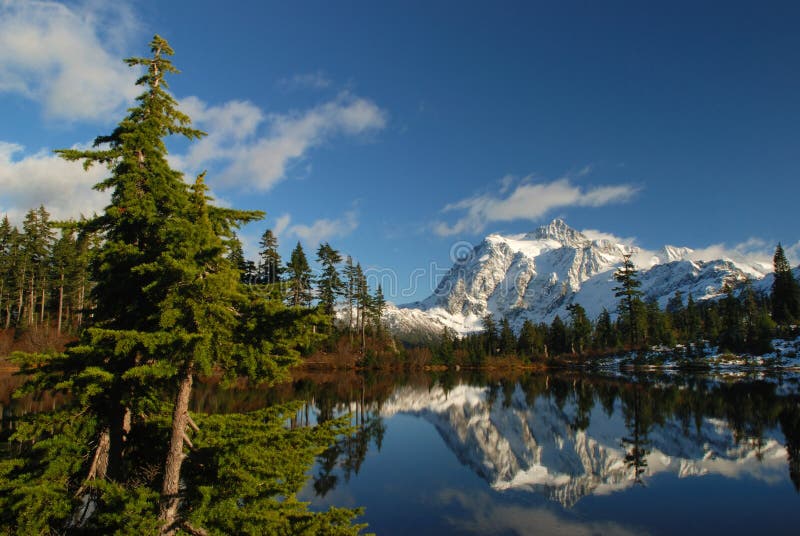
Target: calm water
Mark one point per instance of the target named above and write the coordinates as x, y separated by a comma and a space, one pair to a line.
564, 455
551, 454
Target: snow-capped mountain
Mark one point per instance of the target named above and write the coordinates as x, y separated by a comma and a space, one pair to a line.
537, 275
536, 448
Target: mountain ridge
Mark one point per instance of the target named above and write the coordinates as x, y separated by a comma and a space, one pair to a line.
536, 275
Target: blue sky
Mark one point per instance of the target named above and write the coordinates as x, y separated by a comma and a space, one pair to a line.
399, 130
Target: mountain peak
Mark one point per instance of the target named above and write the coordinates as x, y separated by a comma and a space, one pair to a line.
558, 230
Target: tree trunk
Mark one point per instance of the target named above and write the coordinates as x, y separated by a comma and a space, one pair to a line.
32, 303
99, 467
60, 301
119, 428
170, 499
80, 304
21, 299
41, 310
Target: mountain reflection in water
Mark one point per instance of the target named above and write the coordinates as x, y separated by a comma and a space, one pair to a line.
561, 452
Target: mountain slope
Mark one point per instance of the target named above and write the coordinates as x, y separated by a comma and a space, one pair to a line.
537, 275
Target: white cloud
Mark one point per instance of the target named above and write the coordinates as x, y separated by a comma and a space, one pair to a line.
281, 224
594, 234
315, 80
485, 516
248, 159
792, 253
43, 178
319, 231
59, 56
753, 252
528, 201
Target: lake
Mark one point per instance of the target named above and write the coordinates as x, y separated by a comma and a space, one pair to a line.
560, 453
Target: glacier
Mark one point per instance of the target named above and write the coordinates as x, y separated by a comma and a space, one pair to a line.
536, 276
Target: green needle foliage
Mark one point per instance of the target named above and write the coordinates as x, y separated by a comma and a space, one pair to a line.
168, 306
248, 468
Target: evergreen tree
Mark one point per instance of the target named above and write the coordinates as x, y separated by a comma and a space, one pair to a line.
507, 340
490, 341
658, 324
557, 337
329, 283
236, 257
378, 307
37, 239
733, 334
785, 290
363, 305
350, 282
605, 336
65, 257
299, 278
8, 246
531, 340
630, 296
580, 328
271, 263
167, 306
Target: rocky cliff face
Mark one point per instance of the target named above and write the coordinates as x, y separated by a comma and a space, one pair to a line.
537, 275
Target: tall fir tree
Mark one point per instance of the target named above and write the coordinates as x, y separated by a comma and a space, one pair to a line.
298, 278
167, 306
271, 264
378, 303
350, 282
580, 329
629, 297
329, 283
507, 339
785, 290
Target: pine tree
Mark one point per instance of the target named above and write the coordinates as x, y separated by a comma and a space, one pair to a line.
65, 257
8, 239
167, 306
489, 334
378, 307
36, 241
299, 278
363, 305
580, 328
785, 290
271, 262
605, 336
531, 340
557, 337
630, 296
350, 282
329, 283
507, 340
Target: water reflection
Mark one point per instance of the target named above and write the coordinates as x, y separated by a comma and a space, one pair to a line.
560, 436
494, 454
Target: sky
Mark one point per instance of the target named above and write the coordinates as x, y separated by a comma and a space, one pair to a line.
402, 131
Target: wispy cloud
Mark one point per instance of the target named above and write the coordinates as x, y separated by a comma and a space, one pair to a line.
315, 80
594, 234
528, 201
67, 58
318, 231
64, 188
793, 252
486, 516
753, 252
248, 159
